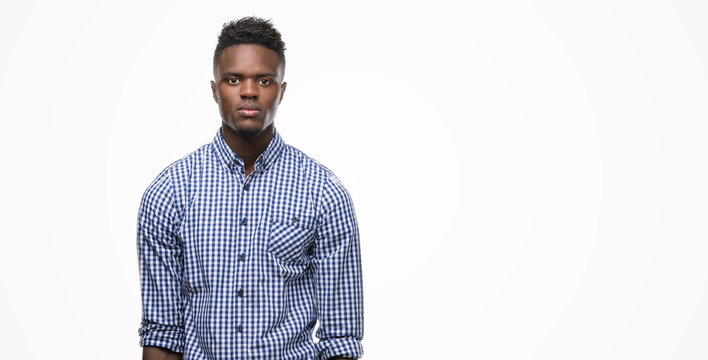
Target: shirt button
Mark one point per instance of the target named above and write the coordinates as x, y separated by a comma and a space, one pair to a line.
242, 257
240, 328
245, 187
294, 219
243, 222
240, 292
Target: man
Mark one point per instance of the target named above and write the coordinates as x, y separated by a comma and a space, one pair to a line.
246, 243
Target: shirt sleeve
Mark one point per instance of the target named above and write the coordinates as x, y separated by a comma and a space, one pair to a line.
160, 262
337, 276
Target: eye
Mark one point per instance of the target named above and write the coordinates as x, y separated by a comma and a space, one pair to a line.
265, 82
232, 81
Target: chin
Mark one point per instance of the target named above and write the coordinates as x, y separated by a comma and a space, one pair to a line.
243, 130
248, 131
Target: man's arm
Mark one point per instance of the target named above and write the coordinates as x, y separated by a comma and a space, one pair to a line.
160, 260
337, 275
156, 353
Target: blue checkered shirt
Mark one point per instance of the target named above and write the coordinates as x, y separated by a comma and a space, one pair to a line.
236, 267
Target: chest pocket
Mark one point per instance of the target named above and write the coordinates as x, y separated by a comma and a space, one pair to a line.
291, 236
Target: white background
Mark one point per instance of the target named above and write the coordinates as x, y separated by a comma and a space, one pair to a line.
529, 177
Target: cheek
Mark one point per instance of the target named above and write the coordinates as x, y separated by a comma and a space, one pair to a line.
274, 99
225, 91
227, 99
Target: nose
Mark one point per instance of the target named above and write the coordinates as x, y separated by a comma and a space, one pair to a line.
249, 89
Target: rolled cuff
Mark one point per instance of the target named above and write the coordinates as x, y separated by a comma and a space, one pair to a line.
164, 336
347, 347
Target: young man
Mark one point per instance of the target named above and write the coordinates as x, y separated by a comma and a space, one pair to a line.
246, 243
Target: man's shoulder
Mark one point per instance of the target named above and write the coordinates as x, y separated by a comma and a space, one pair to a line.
188, 162
331, 186
308, 163
181, 168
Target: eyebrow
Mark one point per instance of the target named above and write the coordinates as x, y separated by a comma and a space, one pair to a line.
228, 73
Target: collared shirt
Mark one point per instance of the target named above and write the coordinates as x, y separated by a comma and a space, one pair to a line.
236, 267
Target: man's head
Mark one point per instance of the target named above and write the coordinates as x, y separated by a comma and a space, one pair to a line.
250, 30
249, 64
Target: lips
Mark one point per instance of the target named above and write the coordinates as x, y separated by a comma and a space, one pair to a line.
248, 110
248, 113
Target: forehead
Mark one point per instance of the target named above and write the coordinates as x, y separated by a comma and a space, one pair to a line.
248, 58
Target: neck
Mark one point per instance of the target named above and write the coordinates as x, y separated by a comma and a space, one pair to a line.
248, 148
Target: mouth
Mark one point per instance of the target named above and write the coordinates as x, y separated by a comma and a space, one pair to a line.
248, 110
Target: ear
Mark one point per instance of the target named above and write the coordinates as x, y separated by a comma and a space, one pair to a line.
282, 91
213, 92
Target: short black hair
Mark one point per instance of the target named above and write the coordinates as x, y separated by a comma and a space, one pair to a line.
250, 30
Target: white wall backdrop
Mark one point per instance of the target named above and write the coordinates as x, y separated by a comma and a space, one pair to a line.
529, 177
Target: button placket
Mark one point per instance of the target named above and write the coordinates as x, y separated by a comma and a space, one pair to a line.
242, 238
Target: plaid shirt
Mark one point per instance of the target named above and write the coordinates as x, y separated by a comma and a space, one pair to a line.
236, 267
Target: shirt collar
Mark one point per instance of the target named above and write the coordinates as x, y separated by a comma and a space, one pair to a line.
264, 161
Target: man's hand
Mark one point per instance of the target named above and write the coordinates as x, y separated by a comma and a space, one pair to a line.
158, 353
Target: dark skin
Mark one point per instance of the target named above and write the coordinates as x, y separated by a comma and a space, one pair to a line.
158, 353
248, 87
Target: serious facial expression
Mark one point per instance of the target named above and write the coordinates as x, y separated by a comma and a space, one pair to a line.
248, 87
